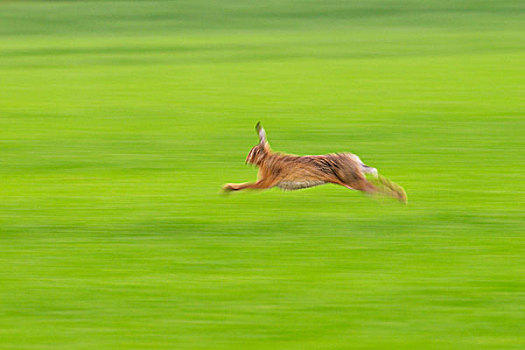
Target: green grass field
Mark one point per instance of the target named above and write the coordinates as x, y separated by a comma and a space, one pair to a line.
121, 120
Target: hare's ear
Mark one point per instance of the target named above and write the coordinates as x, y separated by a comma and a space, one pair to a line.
261, 132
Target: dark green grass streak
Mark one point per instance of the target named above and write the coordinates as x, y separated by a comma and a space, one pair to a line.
120, 120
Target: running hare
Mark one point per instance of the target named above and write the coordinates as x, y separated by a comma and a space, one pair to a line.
291, 172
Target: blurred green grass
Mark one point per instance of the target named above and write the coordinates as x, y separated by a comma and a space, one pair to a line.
120, 120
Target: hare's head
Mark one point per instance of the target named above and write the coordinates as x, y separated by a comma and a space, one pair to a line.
259, 152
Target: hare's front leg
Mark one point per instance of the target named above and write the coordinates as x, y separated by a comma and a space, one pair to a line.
253, 185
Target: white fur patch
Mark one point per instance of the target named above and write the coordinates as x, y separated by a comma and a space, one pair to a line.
296, 185
365, 168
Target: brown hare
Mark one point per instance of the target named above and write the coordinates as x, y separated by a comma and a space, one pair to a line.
291, 172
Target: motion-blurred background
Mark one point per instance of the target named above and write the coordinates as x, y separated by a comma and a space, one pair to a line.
120, 121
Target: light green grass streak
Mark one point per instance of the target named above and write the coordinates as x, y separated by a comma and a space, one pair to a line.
119, 122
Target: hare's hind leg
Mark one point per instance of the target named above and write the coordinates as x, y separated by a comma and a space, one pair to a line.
362, 185
392, 189
385, 188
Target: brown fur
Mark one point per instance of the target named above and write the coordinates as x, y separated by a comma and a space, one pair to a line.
292, 172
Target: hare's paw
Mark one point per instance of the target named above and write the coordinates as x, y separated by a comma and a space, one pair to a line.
402, 195
228, 188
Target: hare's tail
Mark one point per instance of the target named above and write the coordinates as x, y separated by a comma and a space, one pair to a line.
390, 188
